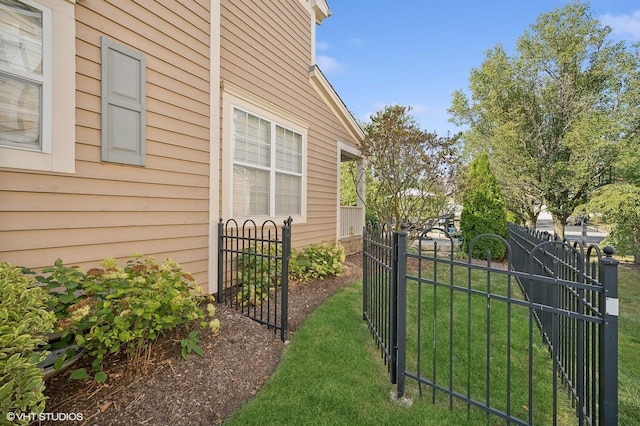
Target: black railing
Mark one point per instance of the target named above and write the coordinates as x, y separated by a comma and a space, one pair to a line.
584, 344
379, 295
470, 331
253, 270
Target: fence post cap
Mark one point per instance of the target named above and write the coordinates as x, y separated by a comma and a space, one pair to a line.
609, 251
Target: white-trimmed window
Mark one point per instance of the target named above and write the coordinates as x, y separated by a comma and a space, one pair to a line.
268, 159
37, 118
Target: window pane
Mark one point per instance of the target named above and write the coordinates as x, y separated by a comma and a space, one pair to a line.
19, 113
20, 38
252, 139
250, 192
288, 195
288, 150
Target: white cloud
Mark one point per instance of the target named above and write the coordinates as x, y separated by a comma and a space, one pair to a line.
330, 65
322, 45
624, 26
355, 41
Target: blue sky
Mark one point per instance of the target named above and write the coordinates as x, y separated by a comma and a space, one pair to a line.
417, 52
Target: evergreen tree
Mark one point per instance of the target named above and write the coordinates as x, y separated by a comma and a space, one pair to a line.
483, 210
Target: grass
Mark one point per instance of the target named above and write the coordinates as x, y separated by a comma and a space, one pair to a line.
474, 335
629, 346
332, 373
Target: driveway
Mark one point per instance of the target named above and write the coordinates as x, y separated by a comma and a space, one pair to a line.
571, 233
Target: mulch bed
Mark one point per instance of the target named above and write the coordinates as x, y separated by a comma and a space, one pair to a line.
201, 390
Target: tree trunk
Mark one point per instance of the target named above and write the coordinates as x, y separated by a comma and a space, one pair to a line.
558, 225
532, 219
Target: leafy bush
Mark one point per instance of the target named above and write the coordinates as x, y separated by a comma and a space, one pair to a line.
483, 211
24, 321
110, 309
129, 308
65, 285
258, 271
317, 262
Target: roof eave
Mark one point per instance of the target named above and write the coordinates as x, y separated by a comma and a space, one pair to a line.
334, 102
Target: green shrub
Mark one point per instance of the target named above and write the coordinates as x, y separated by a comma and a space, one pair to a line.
123, 308
258, 271
317, 262
483, 211
64, 284
24, 322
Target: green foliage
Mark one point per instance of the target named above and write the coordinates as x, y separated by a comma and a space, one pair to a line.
191, 344
407, 167
619, 205
258, 271
483, 210
348, 180
111, 309
24, 321
317, 262
64, 284
129, 308
555, 114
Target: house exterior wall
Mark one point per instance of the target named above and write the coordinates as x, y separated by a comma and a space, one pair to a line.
266, 51
169, 208
113, 210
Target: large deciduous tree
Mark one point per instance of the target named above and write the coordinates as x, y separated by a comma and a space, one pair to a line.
411, 170
619, 205
554, 115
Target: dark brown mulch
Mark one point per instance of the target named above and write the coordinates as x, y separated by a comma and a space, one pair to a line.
201, 390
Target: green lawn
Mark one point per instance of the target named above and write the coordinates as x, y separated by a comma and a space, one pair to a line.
629, 346
465, 357
331, 373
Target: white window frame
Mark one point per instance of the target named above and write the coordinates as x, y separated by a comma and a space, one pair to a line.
277, 117
57, 152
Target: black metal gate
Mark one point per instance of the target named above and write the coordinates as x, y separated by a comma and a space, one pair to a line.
253, 270
494, 338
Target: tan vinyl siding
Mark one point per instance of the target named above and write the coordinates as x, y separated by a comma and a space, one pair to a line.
265, 49
109, 209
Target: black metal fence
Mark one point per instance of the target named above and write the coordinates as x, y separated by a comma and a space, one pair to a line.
379, 295
507, 340
581, 330
253, 270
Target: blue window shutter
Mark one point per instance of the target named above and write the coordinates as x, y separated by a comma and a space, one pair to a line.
123, 104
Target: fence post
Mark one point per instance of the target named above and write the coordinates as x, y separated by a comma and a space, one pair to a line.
220, 260
365, 275
393, 308
608, 337
286, 254
400, 323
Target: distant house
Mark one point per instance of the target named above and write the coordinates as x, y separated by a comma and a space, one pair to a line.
129, 127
